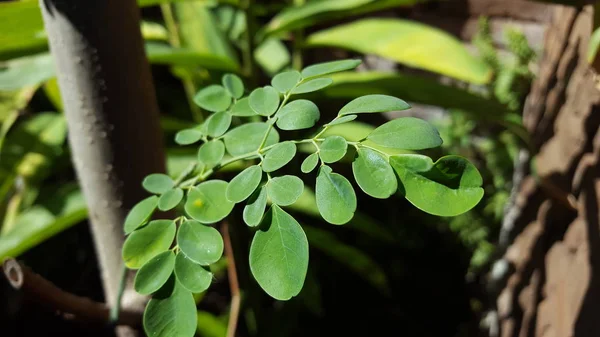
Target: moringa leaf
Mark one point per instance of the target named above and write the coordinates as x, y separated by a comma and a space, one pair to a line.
325, 68
244, 184
310, 163
278, 156
211, 153
374, 174
201, 244
207, 202
242, 108
299, 114
217, 123
406, 133
213, 98
140, 213
192, 276
170, 199
255, 207
147, 242
373, 103
234, 85
312, 85
286, 81
333, 149
158, 183
246, 138
342, 120
335, 197
285, 190
155, 273
188, 136
264, 101
171, 312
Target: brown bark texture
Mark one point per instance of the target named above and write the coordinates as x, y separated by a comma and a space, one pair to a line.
553, 288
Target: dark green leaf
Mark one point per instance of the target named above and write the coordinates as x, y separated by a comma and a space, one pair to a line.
207, 202
202, 244
310, 163
407, 133
342, 120
234, 85
147, 242
286, 81
213, 98
333, 149
188, 136
255, 208
279, 155
170, 199
374, 103
374, 174
321, 69
158, 183
192, 276
217, 123
211, 153
285, 190
264, 101
247, 138
155, 273
448, 187
336, 199
242, 108
140, 213
279, 255
244, 184
312, 85
299, 114
171, 312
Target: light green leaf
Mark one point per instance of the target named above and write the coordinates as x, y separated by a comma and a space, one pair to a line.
299, 114
374, 103
202, 244
140, 213
242, 108
158, 183
160, 53
336, 199
279, 255
246, 138
147, 242
286, 81
170, 199
279, 155
155, 273
255, 207
171, 312
244, 184
192, 276
26, 71
448, 187
217, 123
234, 85
207, 202
407, 133
209, 325
310, 163
333, 149
211, 153
408, 42
374, 174
342, 120
325, 68
213, 98
285, 190
264, 101
272, 55
188, 136
312, 85
22, 29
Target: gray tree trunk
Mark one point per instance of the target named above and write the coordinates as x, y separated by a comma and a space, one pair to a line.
112, 115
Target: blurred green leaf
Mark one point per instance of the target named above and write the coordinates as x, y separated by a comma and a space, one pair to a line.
234, 85
411, 43
160, 53
22, 29
286, 81
188, 136
326, 68
26, 71
210, 326
272, 56
213, 98
201, 243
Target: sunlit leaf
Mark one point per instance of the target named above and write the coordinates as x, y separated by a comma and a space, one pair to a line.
335, 196
310, 163
211, 153
374, 174
171, 312
264, 101
170, 199
157, 183
286, 81
213, 98
285, 190
374, 103
192, 276
278, 156
147, 242
201, 244
406, 133
234, 85
312, 85
207, 202
155, 273
333, 149
140, 213
246, 138
299, 114
325, 68
448, 187
255, 208
244, 184
279, 255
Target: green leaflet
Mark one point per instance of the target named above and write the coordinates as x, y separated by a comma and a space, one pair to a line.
286, 81
170, 199
333, 149
246, 138
321, 69
335, 197
140, 213
157, 183
264, 101
310, 163
147, 242
448, 187
211, 153
202, 244
297, 115
279, 155
188, 136
255, 208
373, 103
312, 85
213, 98
285, 190
244, 184
155, 273
279, 255
374, 174
192, 276
208, 203
171, 312
242, 108
234, 85
407, 133
217, 124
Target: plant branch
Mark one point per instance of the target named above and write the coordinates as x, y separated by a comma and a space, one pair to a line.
234, 286
69, 305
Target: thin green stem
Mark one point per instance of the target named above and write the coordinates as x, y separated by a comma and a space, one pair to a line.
272, 121
116, 309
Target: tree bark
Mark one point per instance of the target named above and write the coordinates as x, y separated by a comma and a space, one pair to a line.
553, 287
112, 116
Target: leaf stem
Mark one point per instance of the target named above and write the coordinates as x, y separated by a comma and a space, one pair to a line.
116, 309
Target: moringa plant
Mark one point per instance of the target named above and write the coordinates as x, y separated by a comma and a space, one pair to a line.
173, 256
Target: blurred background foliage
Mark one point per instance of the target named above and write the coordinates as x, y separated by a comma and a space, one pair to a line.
393, 268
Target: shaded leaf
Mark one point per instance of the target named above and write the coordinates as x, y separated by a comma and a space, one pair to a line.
213, 98
299, 114
140, 213
310, 163
406, 133
333, 149
211, 153
170, 199
374, 103
286, 81
325, 68
279, 255
312, 85
234, 85
192, 276
246, 138
155, 273
157, 183
171, 312
279, 155
147, 242
448, 187
374, 174
264, 101
255, 208
207, 202
201, 244
244, 184
285, 190
217, 123
335, 197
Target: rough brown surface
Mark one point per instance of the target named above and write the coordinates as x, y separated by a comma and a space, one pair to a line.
554, 288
